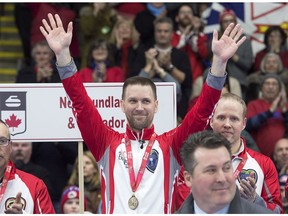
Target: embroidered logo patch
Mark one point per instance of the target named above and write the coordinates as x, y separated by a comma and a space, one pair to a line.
152, 161
122, 156
11, 200
246, 173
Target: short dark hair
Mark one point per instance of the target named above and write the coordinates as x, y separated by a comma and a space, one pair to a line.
136, 80
204, 139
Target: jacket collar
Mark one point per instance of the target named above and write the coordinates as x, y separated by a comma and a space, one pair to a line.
12, 171
242, 151
188, 204
144, 135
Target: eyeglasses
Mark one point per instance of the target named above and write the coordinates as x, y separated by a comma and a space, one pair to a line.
4, 141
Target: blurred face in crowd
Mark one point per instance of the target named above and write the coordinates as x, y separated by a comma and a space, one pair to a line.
271, 64
212, 182
229, 120
139, 105
163, 34
5, 147
124, 30
71, 206
270, 89
226, 20
274, 39
280, 154
89, 169
185, 16
21, 151
42, 55
100, 54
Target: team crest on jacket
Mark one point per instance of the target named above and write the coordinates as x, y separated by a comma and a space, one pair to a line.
122, 156
152, 161
244, 174
13, 111
11, 200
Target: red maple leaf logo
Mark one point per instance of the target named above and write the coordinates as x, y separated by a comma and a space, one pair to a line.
13, 122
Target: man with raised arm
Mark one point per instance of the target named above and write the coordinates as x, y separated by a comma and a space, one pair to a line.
138, 167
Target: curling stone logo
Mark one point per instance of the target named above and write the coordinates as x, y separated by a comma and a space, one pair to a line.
13, 111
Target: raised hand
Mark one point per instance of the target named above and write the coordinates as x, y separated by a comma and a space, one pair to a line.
228, 44
58, 39
283, 102
150, 56
225, 47
275, 104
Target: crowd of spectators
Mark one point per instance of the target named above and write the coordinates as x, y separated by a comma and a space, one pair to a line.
165, 42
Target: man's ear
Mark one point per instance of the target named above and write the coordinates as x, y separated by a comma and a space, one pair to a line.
244, 123
188, 178
211, 123
156, 106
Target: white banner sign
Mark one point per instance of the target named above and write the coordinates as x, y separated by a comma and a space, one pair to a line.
42, 112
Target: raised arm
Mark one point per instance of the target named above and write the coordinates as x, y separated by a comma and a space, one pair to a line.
58, 39
225, 47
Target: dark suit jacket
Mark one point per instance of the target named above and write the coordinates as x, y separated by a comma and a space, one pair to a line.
237, 206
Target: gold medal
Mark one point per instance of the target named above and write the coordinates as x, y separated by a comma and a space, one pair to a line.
133, 202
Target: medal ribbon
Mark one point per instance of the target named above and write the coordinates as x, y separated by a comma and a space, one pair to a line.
240, 166
135, 184
5, 180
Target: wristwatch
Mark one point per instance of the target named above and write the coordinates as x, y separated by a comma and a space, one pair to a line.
170, 68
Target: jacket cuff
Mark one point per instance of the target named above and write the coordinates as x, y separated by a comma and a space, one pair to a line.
68, 70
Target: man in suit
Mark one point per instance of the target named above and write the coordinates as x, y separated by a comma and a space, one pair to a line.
206, 157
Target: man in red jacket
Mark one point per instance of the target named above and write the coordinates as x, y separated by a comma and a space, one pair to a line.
155, 158
21, 193
254, 173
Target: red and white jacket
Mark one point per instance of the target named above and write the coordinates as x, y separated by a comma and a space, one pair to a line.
35, 197
156, 189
